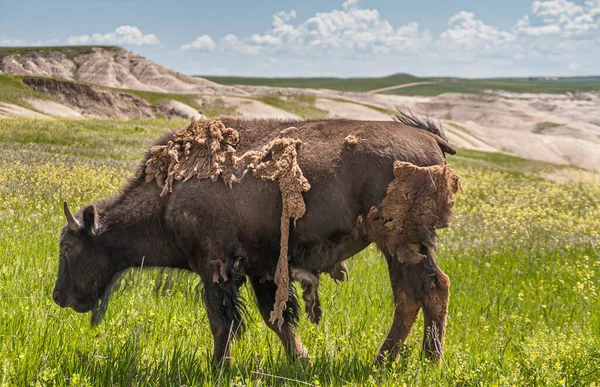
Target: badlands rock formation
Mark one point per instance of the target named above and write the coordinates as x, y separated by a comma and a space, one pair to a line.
112, 67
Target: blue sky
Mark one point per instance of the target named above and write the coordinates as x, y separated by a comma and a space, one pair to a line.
340, 38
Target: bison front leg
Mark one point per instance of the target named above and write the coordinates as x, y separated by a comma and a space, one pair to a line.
221, 296
435, 297
265, 298
418, 285
406, 306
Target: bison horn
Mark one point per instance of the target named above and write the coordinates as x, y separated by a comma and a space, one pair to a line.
73, 223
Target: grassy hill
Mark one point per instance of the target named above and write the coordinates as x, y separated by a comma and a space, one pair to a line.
475, 86
440, 85
12, 90
343, 84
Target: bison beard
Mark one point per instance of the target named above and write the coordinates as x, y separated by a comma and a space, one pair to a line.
99, 309
205, 149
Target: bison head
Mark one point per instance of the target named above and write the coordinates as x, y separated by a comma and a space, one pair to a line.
85, 269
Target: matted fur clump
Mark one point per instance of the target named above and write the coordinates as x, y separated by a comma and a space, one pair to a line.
417, 203
203, 149
282, 167
206, 149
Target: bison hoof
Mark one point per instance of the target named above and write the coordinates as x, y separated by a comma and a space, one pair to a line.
340, 272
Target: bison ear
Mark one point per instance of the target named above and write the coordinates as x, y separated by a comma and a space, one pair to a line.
89, 220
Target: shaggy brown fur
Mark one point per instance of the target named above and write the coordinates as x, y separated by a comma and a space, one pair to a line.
204, 149
226, 235
351, 140
418, 201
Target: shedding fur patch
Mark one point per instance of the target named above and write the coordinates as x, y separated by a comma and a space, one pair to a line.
351, 140
203, 149
206, 149
282, 166
418, 202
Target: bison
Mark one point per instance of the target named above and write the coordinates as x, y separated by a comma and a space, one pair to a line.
227, 233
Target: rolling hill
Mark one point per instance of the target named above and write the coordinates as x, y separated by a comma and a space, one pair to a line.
407, 84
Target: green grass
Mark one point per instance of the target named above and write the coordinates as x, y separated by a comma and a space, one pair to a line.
301, 105
476, 86
343, 84
521, 253
12, 90
502, 162
442, 85
540, 127
88, 140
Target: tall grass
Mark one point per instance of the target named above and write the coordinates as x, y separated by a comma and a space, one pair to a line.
522, 256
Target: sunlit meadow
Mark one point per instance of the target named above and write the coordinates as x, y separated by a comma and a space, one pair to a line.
522, 255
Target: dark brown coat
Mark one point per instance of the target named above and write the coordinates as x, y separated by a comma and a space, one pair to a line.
209, 228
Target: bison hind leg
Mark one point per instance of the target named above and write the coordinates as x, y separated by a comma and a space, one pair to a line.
265, 297
310, 293
225, 307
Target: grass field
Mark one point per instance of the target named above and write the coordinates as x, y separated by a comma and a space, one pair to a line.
441, 85
522, 255
475, 86
344, 84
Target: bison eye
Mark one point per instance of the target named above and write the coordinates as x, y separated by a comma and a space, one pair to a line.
66, 250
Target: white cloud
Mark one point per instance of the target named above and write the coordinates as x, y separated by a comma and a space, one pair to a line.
231, 43
550, 29
543, 30
342, 33
350, 4
283, 16
121, 35
201, 43
593, 7
554, 34
555, 8
265, 39
7, 41
573, 20
467, 32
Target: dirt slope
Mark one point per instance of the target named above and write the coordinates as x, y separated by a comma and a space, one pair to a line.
97, 102
53, 109
12, 110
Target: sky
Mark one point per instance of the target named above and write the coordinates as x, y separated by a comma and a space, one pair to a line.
346, 38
